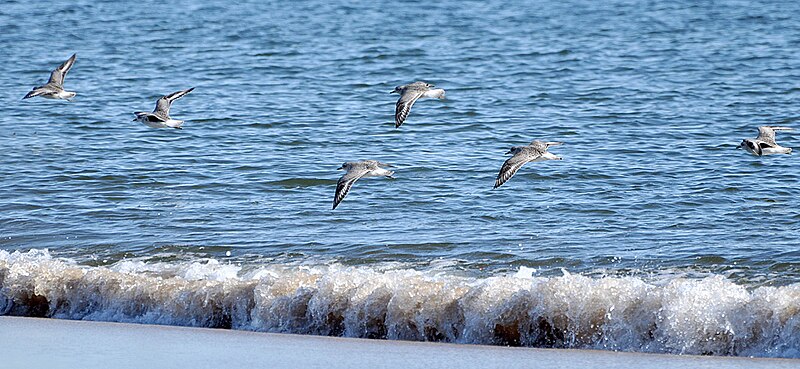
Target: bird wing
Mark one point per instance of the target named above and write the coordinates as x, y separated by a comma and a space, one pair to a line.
404, 104
767, 133
346, 182
163, 104
514, 149
512, 165
755, 146
36, 91
57, 75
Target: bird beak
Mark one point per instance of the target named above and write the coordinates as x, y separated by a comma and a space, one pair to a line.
554, 143
340, 168
392, 91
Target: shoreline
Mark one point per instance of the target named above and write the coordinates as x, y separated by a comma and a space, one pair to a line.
56, 343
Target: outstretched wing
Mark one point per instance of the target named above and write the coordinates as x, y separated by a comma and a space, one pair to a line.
767, 133
346, 182
57, 75
512, 165
38, 91
514, 150
163, 104
404, 104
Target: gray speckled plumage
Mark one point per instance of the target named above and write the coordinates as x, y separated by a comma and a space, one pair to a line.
160, 118
765, 143
409, 94
536, 151
355, 171
54, 88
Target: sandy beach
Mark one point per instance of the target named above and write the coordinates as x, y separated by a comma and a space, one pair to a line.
53, 343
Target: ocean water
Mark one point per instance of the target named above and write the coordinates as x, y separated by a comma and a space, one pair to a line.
653, 234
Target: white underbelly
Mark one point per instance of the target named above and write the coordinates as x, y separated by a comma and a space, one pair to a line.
154, 124
775, 150
171, 123
380, 172
61, 95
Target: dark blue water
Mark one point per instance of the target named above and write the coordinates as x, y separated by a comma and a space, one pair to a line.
650, 99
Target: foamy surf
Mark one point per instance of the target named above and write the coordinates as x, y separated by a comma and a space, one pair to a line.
711, 316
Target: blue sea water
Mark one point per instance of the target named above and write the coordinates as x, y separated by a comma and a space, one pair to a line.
652, 201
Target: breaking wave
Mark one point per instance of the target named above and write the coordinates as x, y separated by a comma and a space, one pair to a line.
709, 316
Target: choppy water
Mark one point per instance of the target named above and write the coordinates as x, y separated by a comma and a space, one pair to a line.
673, 241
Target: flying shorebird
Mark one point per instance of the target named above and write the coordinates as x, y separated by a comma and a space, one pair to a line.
356, 170
54, 88
409, 94
160, 118
536, 151
765, 143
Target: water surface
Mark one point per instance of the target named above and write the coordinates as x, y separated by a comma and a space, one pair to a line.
650, 98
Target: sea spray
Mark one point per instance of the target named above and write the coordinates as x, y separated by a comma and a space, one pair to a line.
710, 316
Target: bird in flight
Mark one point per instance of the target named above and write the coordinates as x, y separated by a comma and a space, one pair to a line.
409, 94
160, 118
765, 143
54, 88
536, 151
356, 170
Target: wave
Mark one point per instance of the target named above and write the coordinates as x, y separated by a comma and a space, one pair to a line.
709, 316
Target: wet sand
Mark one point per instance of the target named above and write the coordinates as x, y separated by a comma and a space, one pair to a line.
54, 343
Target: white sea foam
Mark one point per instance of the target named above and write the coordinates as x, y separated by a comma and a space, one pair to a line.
693, 316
